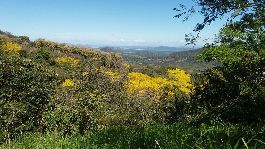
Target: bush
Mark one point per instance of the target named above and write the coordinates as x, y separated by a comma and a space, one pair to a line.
41, 55
82, 100
25, 90
233, 92
71, 112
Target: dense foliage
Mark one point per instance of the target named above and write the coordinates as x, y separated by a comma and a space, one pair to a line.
47, 86
26, 88
233, 90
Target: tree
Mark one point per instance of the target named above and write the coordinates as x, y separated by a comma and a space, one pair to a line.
234, 90
249, 12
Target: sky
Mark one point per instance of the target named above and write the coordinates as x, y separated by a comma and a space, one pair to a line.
101, 22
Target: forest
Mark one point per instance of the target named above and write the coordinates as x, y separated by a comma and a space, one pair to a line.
55, 95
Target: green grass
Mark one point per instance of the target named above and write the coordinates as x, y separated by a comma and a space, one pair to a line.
154, 136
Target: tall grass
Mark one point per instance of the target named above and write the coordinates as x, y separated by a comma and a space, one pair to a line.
151, 137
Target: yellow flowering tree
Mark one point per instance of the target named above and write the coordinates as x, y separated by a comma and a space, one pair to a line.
181, 79
11, 48
139, 83
67, 61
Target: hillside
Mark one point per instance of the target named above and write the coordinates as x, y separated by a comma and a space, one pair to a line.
53, 49
187, 77
49, 86
98, 97
42, 82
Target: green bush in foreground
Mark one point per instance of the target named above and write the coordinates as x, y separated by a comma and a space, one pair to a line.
25, 90
155, 136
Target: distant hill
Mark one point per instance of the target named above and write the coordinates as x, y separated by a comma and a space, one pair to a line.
183, 56
135, 53
159, 58
187, 60
142, 48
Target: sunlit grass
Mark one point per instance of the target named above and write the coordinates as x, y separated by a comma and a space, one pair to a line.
155, 136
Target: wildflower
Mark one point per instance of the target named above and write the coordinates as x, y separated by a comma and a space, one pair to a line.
68, 83
11, 48
67, 60
141, 82
113, 75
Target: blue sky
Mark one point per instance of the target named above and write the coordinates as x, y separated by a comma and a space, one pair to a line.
100, 22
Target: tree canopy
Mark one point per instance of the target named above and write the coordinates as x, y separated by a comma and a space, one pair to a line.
241, 15
235, 89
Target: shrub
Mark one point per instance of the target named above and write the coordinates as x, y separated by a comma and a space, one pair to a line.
70, 61
235, 92
176, 81
11, 48
79, 105
71, 111
181, 79
155, 99
41, 55
25, 90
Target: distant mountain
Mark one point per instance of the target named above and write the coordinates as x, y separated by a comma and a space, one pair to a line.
142, 48
157, 57
142, 54
145, 52
166, 48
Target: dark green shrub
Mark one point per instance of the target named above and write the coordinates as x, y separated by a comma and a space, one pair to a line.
25, 90
42, 55
233, 92
80, 105
71, 112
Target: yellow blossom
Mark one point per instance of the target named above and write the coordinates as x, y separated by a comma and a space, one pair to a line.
113, 75
181, 79
141, 83
11, 48
68, 83
67, 60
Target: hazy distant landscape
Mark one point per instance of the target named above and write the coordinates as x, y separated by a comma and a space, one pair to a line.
162, 57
